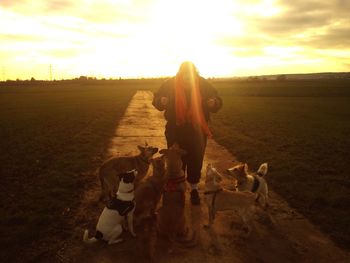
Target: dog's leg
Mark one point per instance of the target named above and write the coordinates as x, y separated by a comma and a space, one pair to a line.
246, 216
266, 201
211, 217
171, 239
130, 218
152, 238
115, 234
257, 197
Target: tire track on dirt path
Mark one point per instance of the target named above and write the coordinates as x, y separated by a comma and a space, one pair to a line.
282, 235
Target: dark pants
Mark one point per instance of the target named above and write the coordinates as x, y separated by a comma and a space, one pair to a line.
193, 141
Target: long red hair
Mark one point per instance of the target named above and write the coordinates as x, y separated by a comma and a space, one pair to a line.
189, 111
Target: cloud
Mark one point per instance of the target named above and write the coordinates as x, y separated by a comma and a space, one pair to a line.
21, 38
59, 5
258, 34
307, 24
299, 16
291, 23
332, 38
10, 3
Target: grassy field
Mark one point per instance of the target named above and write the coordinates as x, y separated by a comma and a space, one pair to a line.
302, 130
50, 134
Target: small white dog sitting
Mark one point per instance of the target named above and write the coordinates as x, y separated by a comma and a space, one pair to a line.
109, 226
254, 182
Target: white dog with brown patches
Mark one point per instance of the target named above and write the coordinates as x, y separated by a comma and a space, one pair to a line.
109, 226
219, 199
253, 182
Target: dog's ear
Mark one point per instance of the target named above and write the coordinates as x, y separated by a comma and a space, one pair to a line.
128, 177
262, 171
163, 151
141, 148
245, 168
154, 150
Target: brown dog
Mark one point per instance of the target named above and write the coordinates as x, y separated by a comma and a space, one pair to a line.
110, 169
172, 223
149, 191
147, 197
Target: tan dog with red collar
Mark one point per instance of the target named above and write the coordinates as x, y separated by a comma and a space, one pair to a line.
172, 222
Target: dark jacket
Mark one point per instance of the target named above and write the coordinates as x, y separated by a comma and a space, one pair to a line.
168, 90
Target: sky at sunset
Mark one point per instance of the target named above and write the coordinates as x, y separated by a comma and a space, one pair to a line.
150, 38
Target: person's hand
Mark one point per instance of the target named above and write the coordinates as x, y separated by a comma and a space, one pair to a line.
211, 102
164, 101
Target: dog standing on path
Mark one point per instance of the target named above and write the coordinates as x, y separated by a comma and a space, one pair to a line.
254, 182
219, 199
110, 169
109, 225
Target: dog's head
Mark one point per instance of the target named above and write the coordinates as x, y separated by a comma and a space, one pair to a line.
127, 180
158, 164
173, 157
212, 176
239, 172
147, 151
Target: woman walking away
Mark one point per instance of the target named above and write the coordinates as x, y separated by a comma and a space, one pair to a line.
188, 99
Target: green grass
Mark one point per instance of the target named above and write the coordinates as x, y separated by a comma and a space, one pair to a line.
305, 140
50, 135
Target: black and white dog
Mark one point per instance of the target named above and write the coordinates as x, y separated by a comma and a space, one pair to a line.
253, 182
109, 225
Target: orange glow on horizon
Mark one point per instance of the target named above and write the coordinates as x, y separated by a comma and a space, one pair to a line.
150, 38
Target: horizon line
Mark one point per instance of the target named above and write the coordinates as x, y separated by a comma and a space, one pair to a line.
91, 77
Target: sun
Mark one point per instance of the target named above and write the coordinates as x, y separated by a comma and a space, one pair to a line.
183, 30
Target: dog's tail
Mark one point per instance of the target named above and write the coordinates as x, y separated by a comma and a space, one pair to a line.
88, 240
262, 171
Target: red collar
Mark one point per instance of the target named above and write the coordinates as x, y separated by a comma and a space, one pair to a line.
171, 184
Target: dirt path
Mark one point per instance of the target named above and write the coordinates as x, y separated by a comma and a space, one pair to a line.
282, 235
